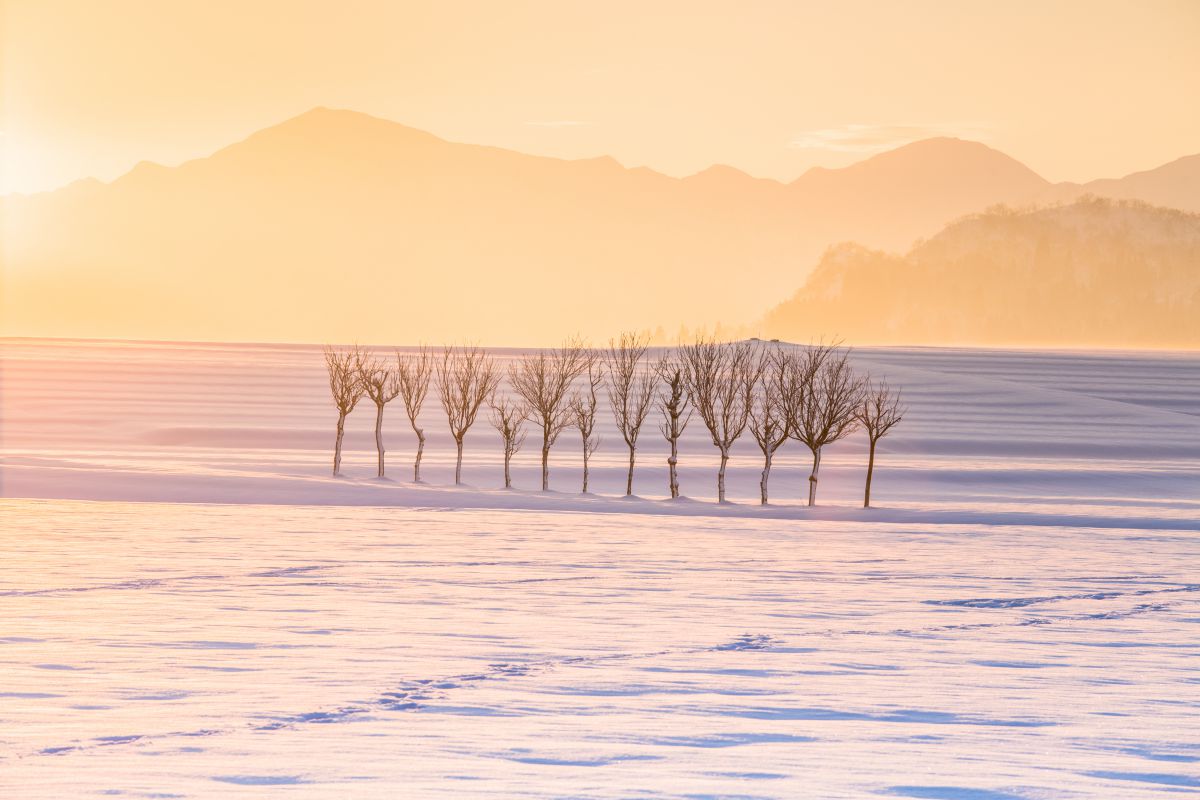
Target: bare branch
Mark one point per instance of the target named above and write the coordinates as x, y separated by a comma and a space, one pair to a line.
345, 383
825, 410
720, 380
880, 409
878, 412
543, 380
583, 411
630, 391
346, 387
466, 379
508, 417
414, 371
380, 383
768, 413
676, 411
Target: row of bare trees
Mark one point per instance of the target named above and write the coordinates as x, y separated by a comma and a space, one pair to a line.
779, 393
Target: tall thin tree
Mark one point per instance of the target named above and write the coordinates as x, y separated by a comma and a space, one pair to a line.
583, 410
345, 384
381, 384
720, 381
413, 372
676, 412
508, 418
543, 380
466, 378
826, 411
879, 411
768, 414
630, 391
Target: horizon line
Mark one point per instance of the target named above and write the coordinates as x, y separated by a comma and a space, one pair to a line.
1013, 348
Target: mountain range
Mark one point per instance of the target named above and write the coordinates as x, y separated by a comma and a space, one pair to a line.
336, 225
1097, 271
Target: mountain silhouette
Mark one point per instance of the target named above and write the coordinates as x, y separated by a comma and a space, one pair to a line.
336, 225
1094, 272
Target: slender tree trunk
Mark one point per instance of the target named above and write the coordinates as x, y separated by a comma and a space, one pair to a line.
545, 465
585, 468
766, 475
379, 436
672, 464
458, 463
507, 474
721, 476
870, 472
337, 445
629, 480
420, 451
812, 479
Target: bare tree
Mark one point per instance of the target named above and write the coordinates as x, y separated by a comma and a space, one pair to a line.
345, 384
826, 409
676, 411
583, 411
630, 391
508, 418
413, 373
543, 380
720, 380
768, 412
466, 378
878, 412
380, 383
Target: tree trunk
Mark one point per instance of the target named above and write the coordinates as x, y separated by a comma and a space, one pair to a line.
672, 466
379, 436
507, 474
420, 451
766, 475
870, 472
672, 463
545, 465
337, 445
458, 463
812, 479
721, 476
585, 468
629, 480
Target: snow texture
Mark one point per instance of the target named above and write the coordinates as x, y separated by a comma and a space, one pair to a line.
1019, 618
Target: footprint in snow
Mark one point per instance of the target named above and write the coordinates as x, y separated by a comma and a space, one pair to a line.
748, 641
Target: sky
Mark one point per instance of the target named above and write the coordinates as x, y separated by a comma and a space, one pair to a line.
1075, 90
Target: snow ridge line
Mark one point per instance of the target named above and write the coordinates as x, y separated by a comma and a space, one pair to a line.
1021, 602
135, 583
282, 572
1142, 608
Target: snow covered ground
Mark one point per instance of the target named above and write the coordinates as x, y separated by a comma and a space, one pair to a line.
1019, 619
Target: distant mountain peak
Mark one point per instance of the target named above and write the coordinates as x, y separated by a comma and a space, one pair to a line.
943, 164
323, 124
148, 166
720, 171
343, 218
949, 153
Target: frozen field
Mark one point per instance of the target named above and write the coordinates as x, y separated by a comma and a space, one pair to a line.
1019, 619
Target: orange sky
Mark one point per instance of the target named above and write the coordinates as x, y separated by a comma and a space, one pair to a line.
1076, 90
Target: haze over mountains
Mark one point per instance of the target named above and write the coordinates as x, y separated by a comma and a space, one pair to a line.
336, 226
1095, 272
